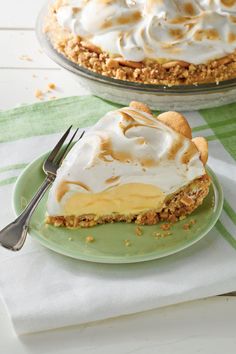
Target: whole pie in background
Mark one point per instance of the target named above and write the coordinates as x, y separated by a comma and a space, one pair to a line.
165, 42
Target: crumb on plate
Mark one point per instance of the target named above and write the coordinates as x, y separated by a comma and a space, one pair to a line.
89, 239
138, 231
127, 243
165, 234
157, 234
188, 225
165, 227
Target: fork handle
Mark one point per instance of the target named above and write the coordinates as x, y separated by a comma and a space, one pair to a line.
13, 235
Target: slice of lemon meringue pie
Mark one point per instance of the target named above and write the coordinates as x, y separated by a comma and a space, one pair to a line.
131, 166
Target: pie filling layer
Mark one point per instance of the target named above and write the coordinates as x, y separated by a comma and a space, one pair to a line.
175, 207
131, 198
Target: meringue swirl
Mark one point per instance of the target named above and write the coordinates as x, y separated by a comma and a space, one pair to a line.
194, 31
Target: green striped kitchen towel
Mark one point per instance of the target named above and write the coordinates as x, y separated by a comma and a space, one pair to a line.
43, 290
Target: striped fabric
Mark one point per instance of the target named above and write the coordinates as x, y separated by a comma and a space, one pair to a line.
34, 283
29, 131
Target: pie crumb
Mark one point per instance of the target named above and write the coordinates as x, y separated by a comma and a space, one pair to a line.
165, 234
192, 222
25, 57
138, 231
186, 226
38, 94
165, 227
90, 239
51, 86
127, 243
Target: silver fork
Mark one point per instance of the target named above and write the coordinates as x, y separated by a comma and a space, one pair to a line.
13, 235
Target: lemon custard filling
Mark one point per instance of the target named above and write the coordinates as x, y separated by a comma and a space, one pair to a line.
124, 199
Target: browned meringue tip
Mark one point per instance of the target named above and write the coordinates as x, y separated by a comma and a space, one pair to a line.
177, 122
140, 106
202, 146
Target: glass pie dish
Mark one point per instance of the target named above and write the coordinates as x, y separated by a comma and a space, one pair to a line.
157, 97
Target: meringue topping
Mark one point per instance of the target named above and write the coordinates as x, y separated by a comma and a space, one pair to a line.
193, 31
128, 154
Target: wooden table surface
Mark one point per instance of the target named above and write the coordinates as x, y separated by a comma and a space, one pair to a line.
205, 326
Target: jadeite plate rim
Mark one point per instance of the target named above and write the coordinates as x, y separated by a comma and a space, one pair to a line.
219, 199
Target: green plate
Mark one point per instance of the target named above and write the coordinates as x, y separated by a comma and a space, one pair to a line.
110, 245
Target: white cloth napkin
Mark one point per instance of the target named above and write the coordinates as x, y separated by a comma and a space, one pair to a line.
43, 290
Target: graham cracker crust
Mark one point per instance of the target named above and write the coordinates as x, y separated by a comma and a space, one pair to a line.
179, 205
169, 73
